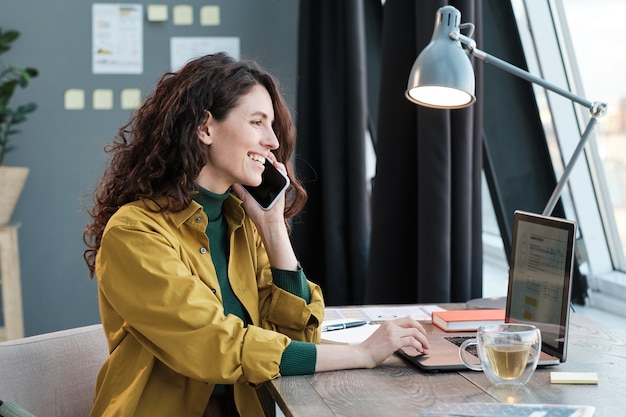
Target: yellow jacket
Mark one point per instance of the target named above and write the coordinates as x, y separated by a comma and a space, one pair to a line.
161, 309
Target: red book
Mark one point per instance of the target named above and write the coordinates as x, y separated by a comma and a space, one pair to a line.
467, 320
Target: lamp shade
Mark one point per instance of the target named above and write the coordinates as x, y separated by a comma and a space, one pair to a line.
442, 75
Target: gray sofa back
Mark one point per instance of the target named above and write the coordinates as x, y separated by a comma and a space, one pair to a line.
53, 374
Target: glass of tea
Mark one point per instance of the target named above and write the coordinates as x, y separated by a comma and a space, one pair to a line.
508, 353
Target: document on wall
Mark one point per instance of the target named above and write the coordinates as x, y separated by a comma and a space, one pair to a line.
185, 48
117, 38
382, 313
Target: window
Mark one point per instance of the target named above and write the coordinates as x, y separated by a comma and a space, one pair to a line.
575, 45
600, 62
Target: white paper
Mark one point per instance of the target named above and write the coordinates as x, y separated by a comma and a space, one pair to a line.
421, 313
351, 336
74, 99
117, 38
183, 49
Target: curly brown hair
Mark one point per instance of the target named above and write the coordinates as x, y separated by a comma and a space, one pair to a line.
157, 152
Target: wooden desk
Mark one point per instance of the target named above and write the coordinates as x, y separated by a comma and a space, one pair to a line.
398, 389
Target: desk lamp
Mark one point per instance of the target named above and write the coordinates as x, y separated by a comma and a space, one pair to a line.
442, 77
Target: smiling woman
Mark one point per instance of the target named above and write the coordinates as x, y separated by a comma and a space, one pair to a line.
199, 287
173, 183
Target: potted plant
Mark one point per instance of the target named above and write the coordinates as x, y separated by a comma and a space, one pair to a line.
12, 179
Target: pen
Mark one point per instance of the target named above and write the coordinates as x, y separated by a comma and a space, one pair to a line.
341, 326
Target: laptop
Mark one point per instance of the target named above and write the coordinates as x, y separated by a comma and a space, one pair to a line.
539, 292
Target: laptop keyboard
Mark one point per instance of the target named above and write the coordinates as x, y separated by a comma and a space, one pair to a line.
458, 340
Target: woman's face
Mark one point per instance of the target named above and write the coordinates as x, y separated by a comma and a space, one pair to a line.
239, 144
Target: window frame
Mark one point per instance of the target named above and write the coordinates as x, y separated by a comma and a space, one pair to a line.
552, 58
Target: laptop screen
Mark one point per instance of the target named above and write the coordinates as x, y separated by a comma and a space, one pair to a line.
540, 274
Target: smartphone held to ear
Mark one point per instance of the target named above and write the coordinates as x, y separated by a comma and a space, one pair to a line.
273, 184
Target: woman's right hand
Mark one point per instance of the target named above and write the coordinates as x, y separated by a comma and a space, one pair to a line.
403, 333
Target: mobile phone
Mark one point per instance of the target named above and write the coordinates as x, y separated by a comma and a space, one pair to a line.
274, 182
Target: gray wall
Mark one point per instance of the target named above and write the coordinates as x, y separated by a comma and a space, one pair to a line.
63, 148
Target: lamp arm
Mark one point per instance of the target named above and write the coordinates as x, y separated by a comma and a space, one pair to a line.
596, 109
570, 167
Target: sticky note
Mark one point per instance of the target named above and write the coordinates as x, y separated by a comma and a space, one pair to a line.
157, 12
574, 378
183, 15
102, 99
130, 98
74, 99
210, 15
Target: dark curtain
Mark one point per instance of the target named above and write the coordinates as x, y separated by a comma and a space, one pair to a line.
331, 236
426, 239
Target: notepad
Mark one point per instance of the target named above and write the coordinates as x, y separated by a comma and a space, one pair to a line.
590, 378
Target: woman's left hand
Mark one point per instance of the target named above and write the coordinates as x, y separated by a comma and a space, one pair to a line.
271, 226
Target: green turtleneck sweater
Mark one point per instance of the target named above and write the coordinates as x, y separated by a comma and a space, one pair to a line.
299, 357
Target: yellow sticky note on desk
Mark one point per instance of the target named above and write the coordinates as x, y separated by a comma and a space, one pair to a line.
590, 378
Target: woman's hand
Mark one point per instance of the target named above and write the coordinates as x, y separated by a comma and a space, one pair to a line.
271, 226
403, 333
254, 210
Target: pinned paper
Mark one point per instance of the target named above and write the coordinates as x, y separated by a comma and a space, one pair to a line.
102, 99
74, 99
157, 13
183, 15
117, 38
183, 48
130, 98
210, 15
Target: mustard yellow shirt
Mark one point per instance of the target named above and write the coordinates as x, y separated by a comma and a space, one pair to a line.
163, 316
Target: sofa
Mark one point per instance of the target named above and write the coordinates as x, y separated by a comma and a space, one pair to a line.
52, 374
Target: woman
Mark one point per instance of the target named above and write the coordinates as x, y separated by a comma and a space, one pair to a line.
201, 295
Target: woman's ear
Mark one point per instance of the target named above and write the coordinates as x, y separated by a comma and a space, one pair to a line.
204, 132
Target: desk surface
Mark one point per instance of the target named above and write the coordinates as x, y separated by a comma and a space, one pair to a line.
398, 389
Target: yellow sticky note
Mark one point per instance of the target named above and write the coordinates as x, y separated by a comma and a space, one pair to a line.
157, 12
210, 15
130, 98
183, 15
74, 99
102, 99
574, 378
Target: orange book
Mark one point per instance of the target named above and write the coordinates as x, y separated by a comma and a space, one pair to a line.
467, 320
